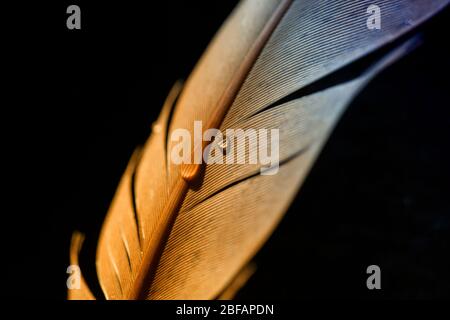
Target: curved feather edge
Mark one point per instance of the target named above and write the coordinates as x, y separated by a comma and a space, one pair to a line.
239, 281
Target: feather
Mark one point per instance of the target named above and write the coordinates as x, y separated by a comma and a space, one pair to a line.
83, 293
189, 231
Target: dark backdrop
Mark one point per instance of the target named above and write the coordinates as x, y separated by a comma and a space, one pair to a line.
83, 100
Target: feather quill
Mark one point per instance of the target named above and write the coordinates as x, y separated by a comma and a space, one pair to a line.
189, 231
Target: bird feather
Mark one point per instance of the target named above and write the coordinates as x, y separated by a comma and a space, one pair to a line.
188, 231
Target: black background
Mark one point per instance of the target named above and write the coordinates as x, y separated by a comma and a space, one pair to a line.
82, 100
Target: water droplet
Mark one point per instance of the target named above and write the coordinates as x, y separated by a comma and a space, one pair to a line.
223, 145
